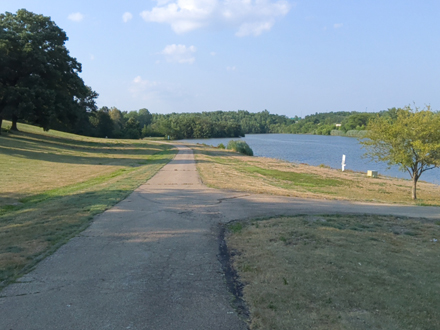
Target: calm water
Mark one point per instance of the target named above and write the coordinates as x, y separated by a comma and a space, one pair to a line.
316, 150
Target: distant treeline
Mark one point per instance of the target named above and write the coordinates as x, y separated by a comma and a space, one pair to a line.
325, 123
113, 123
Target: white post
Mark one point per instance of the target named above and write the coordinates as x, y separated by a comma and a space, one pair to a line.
343, 163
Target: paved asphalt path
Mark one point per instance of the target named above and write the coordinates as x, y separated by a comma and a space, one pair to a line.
151, 262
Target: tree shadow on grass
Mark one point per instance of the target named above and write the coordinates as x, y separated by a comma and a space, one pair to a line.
65, 150
25, 147
42, 154
43, 142
83, 160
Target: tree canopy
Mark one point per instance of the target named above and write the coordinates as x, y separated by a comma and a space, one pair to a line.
39, 81
409, 138
216, 124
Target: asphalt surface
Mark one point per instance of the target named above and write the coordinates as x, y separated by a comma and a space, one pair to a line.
151, 261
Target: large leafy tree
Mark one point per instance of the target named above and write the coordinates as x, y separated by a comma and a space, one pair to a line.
407, 137
39, 80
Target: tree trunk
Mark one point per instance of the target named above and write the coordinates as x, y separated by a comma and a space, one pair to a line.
14, 123
414, 187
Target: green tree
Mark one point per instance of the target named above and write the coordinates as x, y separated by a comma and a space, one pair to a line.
356, 121
144, 117
39, 80
102, 122
132, 129
410, 138
118, 122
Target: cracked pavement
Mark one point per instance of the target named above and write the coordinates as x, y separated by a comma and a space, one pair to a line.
150, 262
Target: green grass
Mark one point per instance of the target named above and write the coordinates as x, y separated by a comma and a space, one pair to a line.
340, 272
225, 160
54, 183
228, 170
235, 227
298, 179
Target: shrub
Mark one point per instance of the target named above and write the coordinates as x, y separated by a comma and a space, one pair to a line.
221, 146
241, 147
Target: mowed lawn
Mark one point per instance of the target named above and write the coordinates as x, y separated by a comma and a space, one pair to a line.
52, 184
224, 169
330, 272
339, 272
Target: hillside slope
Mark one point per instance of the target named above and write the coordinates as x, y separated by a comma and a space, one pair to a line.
53, 183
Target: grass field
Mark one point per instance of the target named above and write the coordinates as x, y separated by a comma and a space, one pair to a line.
54, 183
330, 272
339, 272
229, 170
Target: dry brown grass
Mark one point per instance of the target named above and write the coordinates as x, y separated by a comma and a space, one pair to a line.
53, 183
339, 272
228, 170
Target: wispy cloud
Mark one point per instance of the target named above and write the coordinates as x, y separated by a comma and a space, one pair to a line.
230, 68
143, 89
76, 17
179, 53
249, 17
148, 90
126, 17
337, 25
255, 28
138, 81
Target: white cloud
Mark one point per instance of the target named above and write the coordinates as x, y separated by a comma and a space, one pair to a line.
179, 53
154, 91
213, 53
337, 25
254, 28
251, 17
76, 17
92, 57
144, 89
143, 83
230, 68
126, 17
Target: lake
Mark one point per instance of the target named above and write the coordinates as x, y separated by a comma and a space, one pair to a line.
316, 150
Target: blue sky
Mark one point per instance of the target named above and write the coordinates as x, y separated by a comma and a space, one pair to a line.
291, 58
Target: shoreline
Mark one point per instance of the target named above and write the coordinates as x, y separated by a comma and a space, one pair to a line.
228, 170
318, 151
